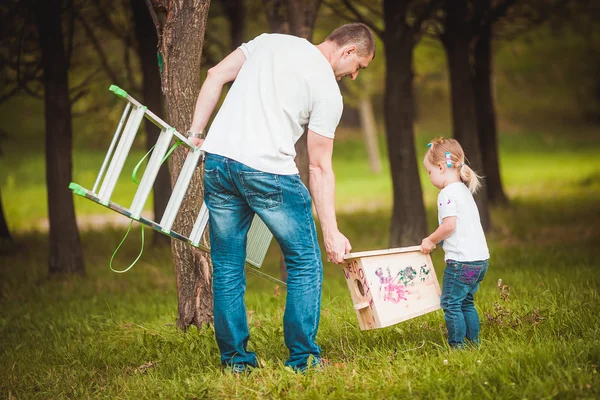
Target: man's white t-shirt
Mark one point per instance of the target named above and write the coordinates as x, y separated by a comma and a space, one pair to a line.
467, 242
285, 83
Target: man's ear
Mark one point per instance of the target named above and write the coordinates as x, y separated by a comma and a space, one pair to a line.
349, 50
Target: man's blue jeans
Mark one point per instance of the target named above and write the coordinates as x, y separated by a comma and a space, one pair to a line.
461, 281
233, 193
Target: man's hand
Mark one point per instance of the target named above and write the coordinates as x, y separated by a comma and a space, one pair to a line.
195, 141
427, 246
336, 246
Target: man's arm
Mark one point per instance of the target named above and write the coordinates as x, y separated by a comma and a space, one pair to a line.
225, 71
322, 188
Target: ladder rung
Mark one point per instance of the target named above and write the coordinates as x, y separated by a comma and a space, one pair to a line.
112, 146
200, 225
181, 186
118, 160
141, 195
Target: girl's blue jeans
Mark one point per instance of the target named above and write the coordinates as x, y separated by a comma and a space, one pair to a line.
233, 193
461, 281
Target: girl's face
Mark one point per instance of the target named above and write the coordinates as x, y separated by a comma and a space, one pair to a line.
436, 174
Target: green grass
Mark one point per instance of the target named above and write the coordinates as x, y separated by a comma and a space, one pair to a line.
113, 336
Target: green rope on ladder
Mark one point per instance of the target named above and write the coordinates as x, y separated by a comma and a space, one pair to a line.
134, 179
139, 164
119, 246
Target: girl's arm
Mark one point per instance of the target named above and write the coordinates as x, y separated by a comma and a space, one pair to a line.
442, 232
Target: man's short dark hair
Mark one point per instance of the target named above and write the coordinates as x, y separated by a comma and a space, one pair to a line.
355, 33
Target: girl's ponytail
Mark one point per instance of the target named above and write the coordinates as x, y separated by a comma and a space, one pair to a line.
470, 178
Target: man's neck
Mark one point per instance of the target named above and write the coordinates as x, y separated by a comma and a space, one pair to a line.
328, 48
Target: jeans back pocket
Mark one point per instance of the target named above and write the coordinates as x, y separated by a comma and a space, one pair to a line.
214, 191
262, 189
470, 273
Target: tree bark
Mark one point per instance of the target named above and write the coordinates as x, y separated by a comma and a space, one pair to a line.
486, 115
456, 40
408, 224
181, 26
151, 91
295, 17
65, 245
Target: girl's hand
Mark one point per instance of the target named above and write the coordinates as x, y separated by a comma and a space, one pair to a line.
427, 246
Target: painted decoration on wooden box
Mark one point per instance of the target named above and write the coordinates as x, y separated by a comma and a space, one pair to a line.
390, 286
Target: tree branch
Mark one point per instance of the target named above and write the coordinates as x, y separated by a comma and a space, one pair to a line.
419, 25
70, 32
107, 22
367, 4
337, 12
363, 19
103, 59
158, 23
10, 94
86, 81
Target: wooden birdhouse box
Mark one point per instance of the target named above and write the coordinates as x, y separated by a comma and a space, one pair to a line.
391, 286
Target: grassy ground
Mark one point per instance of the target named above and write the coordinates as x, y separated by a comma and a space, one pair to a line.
108, 335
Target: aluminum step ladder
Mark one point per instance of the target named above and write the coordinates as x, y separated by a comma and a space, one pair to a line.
259, 236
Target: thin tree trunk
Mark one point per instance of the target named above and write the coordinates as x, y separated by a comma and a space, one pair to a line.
5, 236
456, 41
302, 15
147, 48
486, 116
181, 29
295, 17
65, 245
276, 13
236, 12
367, 121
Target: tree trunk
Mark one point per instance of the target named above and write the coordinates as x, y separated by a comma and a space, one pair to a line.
486, 116
295, 17
456, 41
181, 26
275, 11
369, 129
408, 224
5, 236
236, 12
147, 39
65, 245
302, 15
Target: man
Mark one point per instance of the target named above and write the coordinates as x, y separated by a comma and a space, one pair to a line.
281, 83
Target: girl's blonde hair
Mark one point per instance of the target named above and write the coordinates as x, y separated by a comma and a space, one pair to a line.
436, 155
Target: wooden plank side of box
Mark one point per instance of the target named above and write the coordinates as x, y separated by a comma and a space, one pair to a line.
360, 292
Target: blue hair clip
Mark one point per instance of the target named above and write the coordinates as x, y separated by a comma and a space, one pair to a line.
428, 145
448, 159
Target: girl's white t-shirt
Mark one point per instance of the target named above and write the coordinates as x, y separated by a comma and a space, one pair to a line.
467, 242
284, 84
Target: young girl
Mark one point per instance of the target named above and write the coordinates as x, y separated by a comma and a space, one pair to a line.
461, 236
